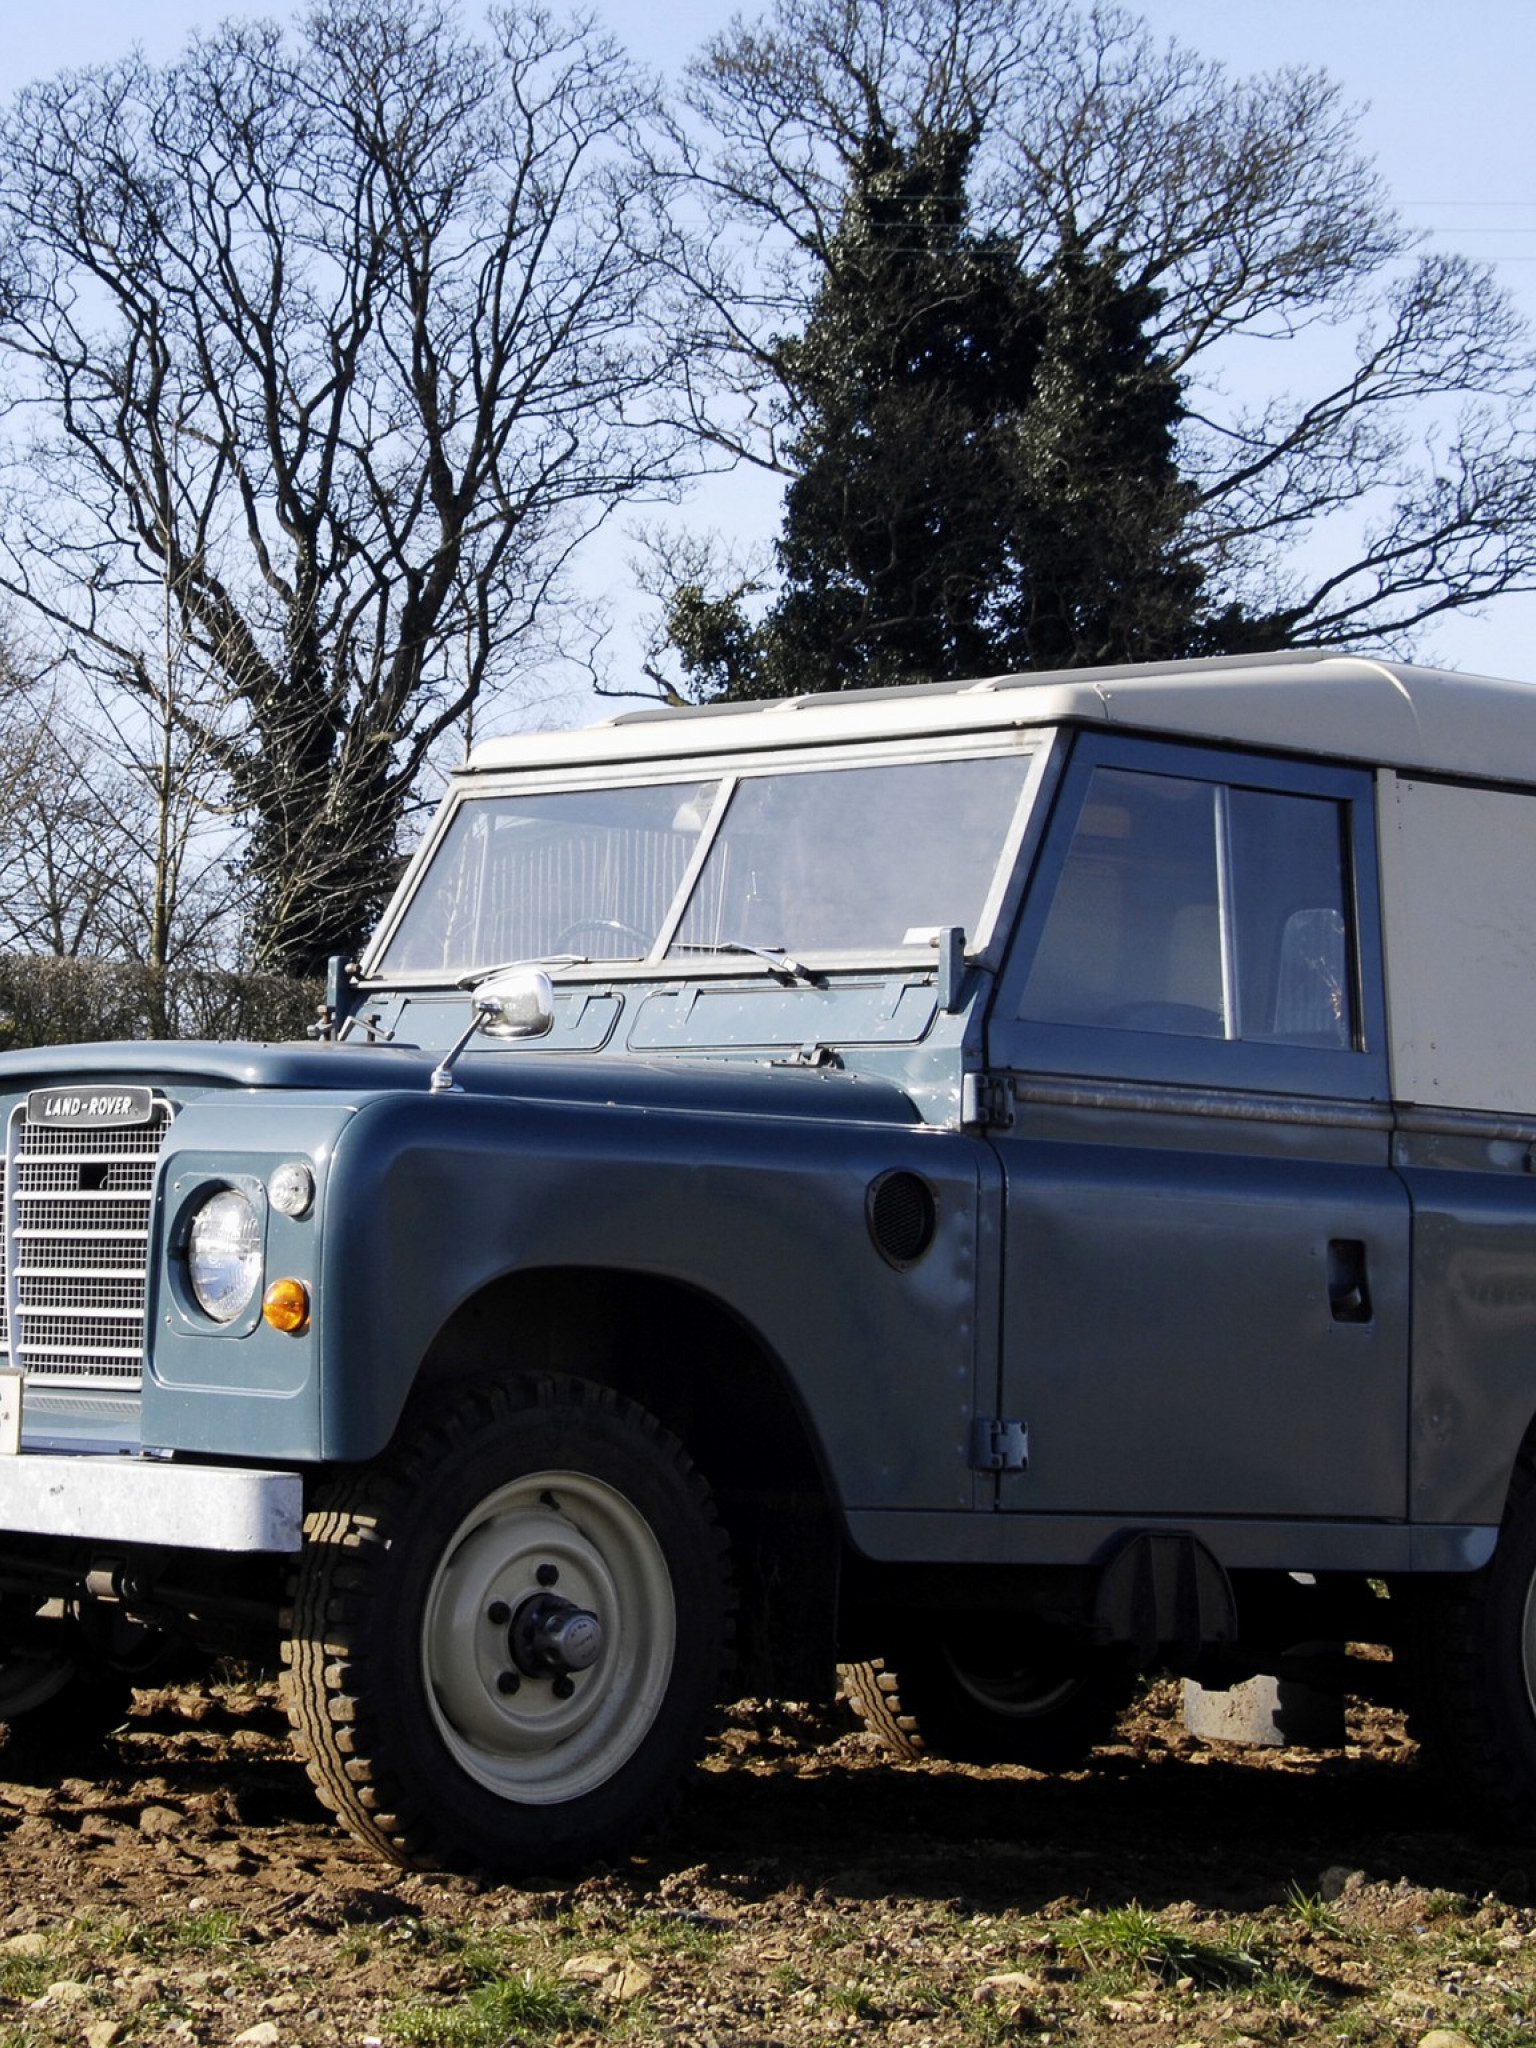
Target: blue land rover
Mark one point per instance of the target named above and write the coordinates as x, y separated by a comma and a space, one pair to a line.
998, 1187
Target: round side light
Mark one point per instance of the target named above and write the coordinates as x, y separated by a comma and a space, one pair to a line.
291, 1188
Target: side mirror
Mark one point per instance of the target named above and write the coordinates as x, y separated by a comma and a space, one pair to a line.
518, 1004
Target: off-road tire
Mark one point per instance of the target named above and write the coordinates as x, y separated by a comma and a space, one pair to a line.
399, 1604
922, 1702
1473, 1672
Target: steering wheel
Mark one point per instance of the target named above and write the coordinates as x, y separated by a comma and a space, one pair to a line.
603, 924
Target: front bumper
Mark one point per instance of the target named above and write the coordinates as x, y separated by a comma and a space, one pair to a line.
152, 1501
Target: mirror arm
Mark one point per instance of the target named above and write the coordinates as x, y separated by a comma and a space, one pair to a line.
480, 1008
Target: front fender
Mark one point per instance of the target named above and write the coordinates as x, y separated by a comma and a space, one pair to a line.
432, 1200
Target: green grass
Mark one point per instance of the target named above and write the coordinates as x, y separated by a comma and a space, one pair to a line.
27, 1976
855, 2001
1356, 2025
1489, 2031
1282, 1985
210, 1931
1443, 1905
676, 1935
1315, 1913
1140, 1943
490, 2014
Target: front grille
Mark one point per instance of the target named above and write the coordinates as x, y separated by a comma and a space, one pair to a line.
77, 1216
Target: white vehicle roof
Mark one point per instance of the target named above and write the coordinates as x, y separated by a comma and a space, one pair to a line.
1343, 706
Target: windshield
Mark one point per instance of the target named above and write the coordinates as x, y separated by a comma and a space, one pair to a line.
589, 872
856, 859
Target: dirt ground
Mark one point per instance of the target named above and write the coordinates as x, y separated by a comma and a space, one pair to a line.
189, 1890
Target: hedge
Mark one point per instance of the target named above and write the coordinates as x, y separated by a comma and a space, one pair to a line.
48, 1001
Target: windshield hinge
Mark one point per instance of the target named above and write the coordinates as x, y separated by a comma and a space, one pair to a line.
998, 1445
986, 1102
812, 1055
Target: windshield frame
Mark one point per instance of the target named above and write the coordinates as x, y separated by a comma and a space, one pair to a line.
1033, 745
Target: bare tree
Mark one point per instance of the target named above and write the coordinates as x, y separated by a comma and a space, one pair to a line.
110, 847
70, 824
1236, 212
337, 343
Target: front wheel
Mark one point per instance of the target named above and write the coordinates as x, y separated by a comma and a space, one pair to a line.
508, 1636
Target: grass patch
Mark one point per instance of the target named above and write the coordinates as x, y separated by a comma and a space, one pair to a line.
210, 1931
1138, 1941
855, 2002
675, 1934
1283, 1985
1315, 1913
482, 1955
1514, 2032
1444, 1905
27, 1976
490, 2014
1356, 2026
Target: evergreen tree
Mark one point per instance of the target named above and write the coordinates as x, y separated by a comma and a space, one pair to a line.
1101, 568
1017, 246
984, 460
906, 380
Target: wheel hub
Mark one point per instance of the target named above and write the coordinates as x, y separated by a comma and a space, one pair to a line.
550, 1637
547, 1636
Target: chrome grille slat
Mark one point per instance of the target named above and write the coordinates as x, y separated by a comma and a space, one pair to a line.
46, 1139
86, 1293
85, 1213
41, 1311
123, 1253
78, 1206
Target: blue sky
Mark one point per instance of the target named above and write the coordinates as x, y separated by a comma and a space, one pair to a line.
1448, 121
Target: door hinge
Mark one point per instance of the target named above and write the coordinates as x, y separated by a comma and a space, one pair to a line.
998, 1445
986, 1102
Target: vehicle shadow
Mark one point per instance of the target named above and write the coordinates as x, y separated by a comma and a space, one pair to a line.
1229, 1831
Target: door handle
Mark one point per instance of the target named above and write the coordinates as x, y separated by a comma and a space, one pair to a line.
1349, 1294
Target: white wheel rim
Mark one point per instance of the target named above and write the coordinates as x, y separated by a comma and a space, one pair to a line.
531, 1744
29, 1681
1021, 1696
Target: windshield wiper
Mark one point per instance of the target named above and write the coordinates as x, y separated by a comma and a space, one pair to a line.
478, 974
778, 961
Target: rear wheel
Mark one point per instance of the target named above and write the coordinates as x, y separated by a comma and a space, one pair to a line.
508, 1636
935, 1697
1473, 1671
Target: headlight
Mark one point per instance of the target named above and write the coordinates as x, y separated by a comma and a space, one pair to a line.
224, 1255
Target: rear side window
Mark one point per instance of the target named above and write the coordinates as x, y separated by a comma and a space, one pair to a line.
1204, 917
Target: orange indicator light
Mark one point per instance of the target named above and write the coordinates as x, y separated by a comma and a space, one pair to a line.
286, 1304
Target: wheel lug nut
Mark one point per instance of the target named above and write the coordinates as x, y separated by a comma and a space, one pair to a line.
508, 1682
563, 1687
498, 1614
547, 1574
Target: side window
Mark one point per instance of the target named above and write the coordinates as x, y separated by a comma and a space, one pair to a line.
1201, 910
1131, 940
